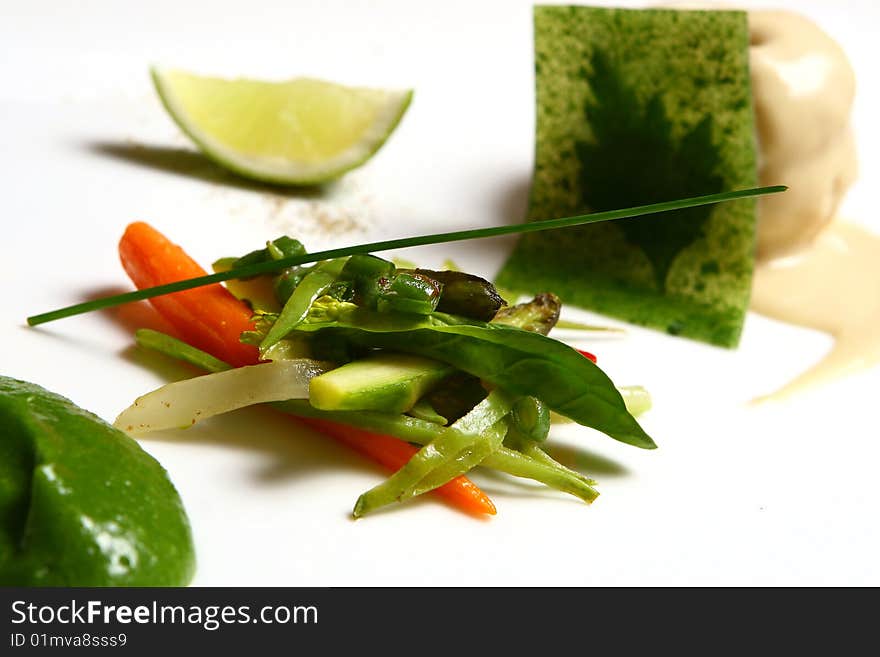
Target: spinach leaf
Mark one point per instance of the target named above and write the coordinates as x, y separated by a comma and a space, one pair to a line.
515, 360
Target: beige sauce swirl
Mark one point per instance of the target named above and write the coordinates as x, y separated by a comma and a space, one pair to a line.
803, 88
834, 287
811, 271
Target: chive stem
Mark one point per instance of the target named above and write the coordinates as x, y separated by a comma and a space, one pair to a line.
406, 242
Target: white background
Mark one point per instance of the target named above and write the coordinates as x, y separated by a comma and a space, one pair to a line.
782, 494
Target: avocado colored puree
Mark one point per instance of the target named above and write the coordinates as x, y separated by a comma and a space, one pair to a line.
81, 504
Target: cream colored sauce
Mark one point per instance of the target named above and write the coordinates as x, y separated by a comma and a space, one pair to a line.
803, 88
834, 286
811, 272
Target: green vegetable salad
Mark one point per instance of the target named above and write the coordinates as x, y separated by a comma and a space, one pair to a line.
435, 358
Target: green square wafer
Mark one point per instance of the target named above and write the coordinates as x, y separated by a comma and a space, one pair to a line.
636, 107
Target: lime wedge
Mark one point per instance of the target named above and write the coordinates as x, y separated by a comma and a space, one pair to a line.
298, 132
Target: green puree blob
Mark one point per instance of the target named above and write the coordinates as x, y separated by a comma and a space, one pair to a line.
81, 504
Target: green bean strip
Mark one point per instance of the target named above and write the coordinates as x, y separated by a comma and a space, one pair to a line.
533, 449
636, 398
485, 414
554, 476
570, 325
406, 428
466, 460
531, 417
444, 448
161, 342
421, 432
312, 286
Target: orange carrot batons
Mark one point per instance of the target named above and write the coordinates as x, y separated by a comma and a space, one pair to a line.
209, 318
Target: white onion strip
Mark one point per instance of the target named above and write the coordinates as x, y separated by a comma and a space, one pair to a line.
183, 403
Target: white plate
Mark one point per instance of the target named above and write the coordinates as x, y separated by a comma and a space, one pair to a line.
734, 495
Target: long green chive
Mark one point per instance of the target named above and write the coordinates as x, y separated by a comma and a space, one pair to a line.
402, 243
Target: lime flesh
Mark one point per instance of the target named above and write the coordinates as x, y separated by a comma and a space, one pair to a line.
299, 132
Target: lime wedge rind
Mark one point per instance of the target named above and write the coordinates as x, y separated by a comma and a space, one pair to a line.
280, 169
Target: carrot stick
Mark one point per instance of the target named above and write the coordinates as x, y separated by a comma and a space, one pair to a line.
394, 454
212, 319
209, 318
